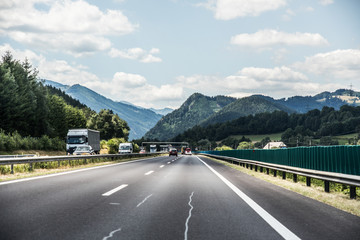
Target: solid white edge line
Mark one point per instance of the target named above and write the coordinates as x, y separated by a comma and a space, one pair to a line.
149, 172
68, 172
115, 190
162, 166
275, 224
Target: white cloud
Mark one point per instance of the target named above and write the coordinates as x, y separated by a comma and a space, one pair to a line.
270, 37
338, 64
288, 15
138, 54
231, 9
135, 88
75, 27
56, 70
326, 2
276, 82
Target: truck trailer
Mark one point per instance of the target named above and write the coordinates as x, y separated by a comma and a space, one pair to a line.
81, 137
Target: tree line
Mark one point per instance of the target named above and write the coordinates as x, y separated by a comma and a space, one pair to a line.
297, 128
30, 109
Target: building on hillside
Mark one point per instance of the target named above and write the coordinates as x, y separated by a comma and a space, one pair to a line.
271, 145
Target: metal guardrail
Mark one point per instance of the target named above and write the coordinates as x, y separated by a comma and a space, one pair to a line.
31, 160
17, 156
352, 181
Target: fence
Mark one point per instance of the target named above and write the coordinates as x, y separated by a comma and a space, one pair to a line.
340, 164
337, 159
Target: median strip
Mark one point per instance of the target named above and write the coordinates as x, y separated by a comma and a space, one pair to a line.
115, 190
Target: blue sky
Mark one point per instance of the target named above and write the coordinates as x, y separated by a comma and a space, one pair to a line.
157, 53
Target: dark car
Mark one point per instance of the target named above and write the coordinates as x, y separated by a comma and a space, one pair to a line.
173, 152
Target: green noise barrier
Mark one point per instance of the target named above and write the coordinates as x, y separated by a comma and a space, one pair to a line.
337, 159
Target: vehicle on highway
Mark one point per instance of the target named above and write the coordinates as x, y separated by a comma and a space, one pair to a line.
82, 137
84, 150
142, 151
125, 148
173, 152
187, 151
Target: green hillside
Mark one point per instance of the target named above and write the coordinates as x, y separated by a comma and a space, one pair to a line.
244, 107
196, 108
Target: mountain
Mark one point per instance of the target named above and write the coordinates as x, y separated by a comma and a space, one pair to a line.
199, 109
163, 111
303, 104
244, 107
195, 109
140, 120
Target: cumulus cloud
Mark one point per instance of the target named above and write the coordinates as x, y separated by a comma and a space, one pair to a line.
276, 82
270, 37
56, 70
138, 54
231, 9
135, 88
123, 86
338, 64
75, 27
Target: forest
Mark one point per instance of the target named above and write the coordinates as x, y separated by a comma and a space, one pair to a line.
298, 129
34, 116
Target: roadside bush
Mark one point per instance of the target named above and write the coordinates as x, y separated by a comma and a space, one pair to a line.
113, 144
223, 148
14, 141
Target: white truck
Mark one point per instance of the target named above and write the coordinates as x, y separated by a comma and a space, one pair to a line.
125, 148
81, 137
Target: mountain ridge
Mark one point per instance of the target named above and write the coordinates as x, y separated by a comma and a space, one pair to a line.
140, 120
252, 105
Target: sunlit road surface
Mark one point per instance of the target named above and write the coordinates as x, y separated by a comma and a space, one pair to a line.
185, 197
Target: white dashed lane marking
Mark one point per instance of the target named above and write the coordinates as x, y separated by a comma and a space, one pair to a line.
115, 190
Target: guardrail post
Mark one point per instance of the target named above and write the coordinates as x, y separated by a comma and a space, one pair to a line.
295, 178
283, 175
251, 166
58, 163
31, 166
308, 181
352, 192
12, 169
255, 168
275, 173
327, 186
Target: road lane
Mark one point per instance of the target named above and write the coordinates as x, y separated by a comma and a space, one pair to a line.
180, 199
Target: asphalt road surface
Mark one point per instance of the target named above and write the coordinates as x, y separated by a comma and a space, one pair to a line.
185, 197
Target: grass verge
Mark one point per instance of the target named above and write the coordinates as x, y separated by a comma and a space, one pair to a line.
44, 171
336, 199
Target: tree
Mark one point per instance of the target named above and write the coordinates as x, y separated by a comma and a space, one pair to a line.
109, 125
246, 145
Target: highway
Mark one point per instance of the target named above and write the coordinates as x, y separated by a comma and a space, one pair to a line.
185, 197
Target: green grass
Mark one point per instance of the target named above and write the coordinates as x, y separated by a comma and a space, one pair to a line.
344, 139
258, 138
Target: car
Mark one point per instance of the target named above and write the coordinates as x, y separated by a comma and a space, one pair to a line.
173, 152
142, 151
187, 151
84, 150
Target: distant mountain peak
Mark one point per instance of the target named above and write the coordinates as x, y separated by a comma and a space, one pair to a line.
140, 120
